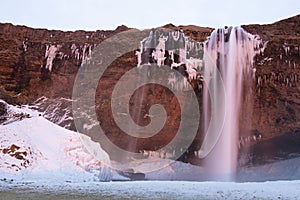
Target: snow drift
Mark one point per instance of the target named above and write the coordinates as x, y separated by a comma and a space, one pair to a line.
33, 146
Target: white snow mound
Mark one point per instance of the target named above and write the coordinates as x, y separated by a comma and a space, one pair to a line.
38, 148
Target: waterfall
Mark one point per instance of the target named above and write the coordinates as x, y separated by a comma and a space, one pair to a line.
229, 52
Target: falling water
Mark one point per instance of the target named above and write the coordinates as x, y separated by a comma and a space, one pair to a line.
229, 53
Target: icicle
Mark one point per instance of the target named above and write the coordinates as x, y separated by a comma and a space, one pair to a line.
264, 47
90, 51
160, 57
84, 54
47, 51
25, 45
50, 54
77, 54
191, 70
286, 49
259, 81
139, 58
161, 44
73, 48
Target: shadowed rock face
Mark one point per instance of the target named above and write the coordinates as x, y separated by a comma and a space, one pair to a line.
25, 59
3, 108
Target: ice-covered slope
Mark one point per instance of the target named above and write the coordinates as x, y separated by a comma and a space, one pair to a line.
31, 146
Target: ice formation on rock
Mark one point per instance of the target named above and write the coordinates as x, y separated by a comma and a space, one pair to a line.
139, 58
175, 50
82, 53
25, 45
50, 54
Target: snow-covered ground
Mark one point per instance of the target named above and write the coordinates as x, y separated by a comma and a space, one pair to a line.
149, 190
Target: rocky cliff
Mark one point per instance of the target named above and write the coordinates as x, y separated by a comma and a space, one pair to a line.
38, 62
276, 99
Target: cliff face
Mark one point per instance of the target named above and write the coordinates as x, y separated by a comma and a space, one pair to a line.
38, 62
276, 99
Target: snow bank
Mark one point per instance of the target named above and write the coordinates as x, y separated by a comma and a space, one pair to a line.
31, 146
288, 169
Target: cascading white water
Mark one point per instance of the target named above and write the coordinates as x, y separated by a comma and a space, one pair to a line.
229, 53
